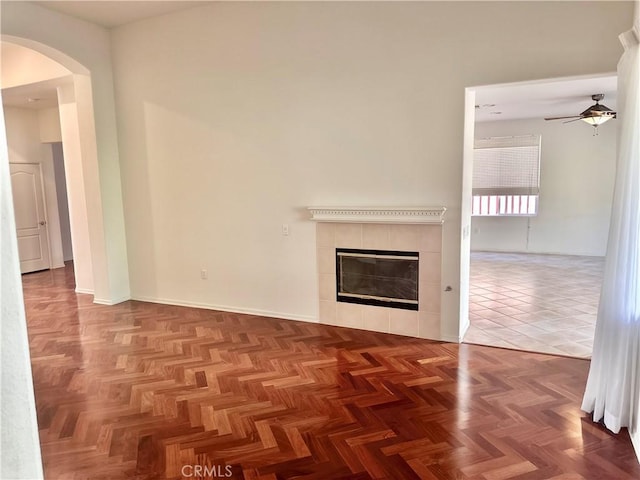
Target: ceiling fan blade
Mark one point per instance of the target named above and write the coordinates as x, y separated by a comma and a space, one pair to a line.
574, 120
595, 114
564, 118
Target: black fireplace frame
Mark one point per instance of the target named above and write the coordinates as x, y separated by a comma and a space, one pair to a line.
392, 303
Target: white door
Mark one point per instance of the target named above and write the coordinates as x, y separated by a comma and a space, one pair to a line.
31, 223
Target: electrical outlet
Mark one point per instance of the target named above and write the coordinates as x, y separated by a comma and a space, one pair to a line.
285, 229
204, 274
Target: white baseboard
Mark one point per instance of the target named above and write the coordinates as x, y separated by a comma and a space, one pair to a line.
449, 338
227, 308
536, 252
103, 301
247, 311
84, 290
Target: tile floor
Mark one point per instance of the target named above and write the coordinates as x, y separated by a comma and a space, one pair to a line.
541, 303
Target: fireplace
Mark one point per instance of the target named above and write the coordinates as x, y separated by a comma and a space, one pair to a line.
401, 248
377, 277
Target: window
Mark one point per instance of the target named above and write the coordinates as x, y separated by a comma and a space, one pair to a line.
506, 176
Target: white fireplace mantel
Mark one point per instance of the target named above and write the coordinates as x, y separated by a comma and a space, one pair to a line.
406, 215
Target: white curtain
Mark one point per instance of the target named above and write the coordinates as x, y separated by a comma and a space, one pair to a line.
613, 387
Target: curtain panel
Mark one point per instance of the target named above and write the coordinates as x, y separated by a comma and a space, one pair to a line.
613, 386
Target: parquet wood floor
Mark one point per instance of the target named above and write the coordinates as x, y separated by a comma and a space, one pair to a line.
144, 391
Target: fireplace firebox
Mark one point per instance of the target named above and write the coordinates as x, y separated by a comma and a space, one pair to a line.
377, 277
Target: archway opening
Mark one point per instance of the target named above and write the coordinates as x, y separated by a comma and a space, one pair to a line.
50, 93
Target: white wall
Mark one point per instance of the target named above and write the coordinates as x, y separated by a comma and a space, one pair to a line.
23, 137
577, 173
233, 117
79, 210
49, 124
19, 443
465, 211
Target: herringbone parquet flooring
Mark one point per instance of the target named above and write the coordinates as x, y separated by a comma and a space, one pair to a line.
145, 391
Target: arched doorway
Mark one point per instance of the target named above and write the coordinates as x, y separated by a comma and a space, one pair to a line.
46, 65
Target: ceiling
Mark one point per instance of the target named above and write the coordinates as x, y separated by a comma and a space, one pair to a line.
114, 13
34, 96
543, 98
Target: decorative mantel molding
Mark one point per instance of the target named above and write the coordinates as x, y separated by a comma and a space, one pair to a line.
407, 215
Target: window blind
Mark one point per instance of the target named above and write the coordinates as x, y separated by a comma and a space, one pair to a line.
507, 165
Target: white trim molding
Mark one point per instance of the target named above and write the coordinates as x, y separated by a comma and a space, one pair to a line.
227, 308
407, 215
84, 291
115, 301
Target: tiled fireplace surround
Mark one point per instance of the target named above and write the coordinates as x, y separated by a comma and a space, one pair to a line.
411, 229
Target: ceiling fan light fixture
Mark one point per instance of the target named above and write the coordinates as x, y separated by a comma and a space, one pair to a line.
596, 120
597, 114
597, 109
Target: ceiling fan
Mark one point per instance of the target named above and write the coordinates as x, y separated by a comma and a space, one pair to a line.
595, 115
